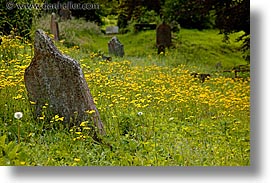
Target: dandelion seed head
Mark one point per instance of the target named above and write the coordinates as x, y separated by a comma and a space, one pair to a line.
140, 113
18, 115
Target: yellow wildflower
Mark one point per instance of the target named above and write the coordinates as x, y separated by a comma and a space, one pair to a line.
76, 159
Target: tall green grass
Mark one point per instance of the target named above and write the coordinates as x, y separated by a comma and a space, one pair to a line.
203, 49
155, 113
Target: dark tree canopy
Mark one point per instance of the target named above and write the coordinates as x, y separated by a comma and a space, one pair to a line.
234, 16
193, 14
88, 14
133, 9
14, 19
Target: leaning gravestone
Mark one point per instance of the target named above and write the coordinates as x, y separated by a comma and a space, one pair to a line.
54, 27
115, 47
58, 80
164, 38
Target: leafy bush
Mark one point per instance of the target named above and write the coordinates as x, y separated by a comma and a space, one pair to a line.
10, 153
94, 14
146, 16
187, 13
18, 20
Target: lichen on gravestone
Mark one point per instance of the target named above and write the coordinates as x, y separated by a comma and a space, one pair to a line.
58, 80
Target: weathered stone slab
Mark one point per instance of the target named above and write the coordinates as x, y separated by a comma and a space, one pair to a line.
54, 27
115, 47
58, 80
112, 30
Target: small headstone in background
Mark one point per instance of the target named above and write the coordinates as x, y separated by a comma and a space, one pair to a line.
58, 80
112, 30
115, 47
65, 14
54, 27
164, 37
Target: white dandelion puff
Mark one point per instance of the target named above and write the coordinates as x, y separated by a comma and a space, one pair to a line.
18, 115
140, 113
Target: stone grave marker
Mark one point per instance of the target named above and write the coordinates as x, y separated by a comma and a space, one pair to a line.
54, 27
163, 36
58, 80
115, 47
112, 30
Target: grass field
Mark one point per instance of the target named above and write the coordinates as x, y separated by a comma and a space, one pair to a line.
155, 113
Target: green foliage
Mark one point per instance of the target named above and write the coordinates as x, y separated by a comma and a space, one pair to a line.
108, 7
155, 113
137, 11
10, 153
189, 13
8, 48
90, 15
94, 14
122, 21
194, 14
16, 19
68, 34
228, 23
147, 16
203, 49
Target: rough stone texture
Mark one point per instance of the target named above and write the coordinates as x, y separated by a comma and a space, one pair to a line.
112, 30
54, 27
58, 80
115, 47
164, 37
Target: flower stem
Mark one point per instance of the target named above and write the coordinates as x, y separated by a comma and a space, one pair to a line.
18, 133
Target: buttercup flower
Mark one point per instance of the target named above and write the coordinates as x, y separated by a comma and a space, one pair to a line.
76, 159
